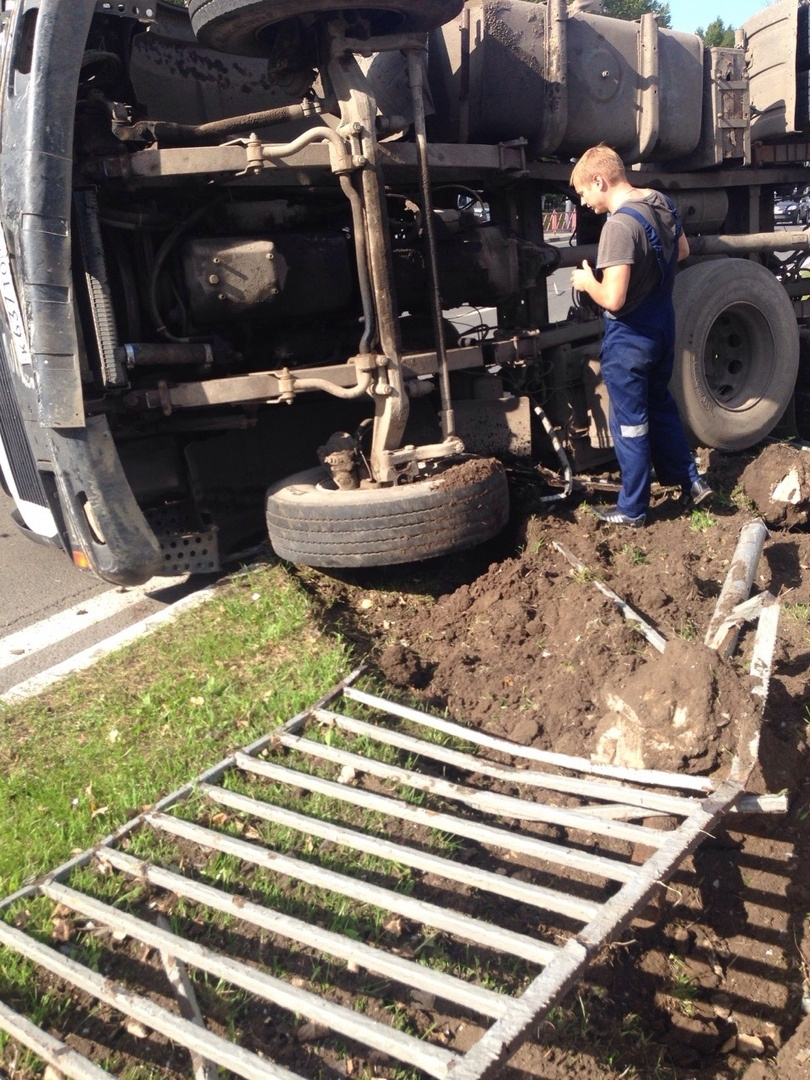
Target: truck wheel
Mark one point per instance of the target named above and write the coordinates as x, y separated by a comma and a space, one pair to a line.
238, 26
311, 522
736, 352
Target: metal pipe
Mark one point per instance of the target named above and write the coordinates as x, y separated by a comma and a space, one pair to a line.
363, 272
415, 78
166, 130
742, 244
317, 134
721, 635
748, 243
347, 393
561, 454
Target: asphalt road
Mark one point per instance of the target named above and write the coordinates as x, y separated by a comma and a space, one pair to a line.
50, 611
34, 581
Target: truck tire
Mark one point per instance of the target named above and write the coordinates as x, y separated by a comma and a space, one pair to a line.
736, 352
313, 523
238, 26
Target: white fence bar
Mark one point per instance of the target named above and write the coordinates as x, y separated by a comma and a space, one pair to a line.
487, 803
433, 1059
53, 1052
655, 777
168, 1023
570, 785
372, 959
442, 918
501, 885
559, 854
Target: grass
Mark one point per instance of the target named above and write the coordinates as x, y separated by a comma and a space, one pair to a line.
637, 556
90, 753
701, 520
799, 612
739, 499
95, 750
688, 630
682, 986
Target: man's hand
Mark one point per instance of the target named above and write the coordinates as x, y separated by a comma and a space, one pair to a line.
611, 292
582, 278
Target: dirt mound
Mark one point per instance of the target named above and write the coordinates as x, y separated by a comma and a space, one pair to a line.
677, 712
778, 483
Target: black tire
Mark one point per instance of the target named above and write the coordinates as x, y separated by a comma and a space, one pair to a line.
736, 352
239, 26
459, 507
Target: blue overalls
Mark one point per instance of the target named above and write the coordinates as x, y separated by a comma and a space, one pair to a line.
638, 353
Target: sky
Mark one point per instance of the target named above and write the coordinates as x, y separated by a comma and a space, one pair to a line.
690, 14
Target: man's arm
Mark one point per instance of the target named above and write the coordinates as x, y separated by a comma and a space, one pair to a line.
683, 247
611, 292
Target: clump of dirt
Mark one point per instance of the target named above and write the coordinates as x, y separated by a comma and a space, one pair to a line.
778, 483
471, 471
677, 712
520, 643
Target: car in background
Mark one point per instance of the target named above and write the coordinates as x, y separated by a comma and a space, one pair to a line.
791, 210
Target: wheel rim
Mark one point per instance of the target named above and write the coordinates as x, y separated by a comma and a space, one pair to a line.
738, 359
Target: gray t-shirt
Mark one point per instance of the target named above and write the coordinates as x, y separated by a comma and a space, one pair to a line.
623, 241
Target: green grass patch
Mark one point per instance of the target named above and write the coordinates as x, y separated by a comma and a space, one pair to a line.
701, 521
637, 556
86, 756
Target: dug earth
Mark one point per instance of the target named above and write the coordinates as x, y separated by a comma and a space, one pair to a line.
714, 980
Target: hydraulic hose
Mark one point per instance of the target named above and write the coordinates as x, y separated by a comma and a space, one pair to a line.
568, 474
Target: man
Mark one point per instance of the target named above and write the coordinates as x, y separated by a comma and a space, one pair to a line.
641, 243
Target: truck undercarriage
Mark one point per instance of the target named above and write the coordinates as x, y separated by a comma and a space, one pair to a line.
233, 231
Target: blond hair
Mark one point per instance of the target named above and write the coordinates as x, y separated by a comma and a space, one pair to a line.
598, 161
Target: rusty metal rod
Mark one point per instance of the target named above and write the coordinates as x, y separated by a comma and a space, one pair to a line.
417, 91
744, 244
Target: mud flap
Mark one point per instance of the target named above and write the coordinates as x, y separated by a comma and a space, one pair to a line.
103, 519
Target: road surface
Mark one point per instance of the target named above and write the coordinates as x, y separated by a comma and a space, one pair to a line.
50, 611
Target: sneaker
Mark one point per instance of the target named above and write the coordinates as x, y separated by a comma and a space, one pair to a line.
699, 491
616, 517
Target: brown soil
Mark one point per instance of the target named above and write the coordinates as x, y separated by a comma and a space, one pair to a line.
528, 648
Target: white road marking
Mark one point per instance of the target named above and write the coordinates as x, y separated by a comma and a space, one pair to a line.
73, 620
88, 657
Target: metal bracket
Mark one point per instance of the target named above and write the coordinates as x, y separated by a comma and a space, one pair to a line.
506, 160
145, 12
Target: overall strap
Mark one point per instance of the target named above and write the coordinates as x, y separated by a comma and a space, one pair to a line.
654, 237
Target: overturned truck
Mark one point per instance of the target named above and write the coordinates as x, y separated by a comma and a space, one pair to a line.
236, 236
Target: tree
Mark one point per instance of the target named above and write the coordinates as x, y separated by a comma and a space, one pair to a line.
634, 9
717, 34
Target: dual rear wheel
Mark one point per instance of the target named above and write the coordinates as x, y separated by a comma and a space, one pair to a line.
736, 352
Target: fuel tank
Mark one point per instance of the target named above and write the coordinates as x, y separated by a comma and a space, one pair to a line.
508, 69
